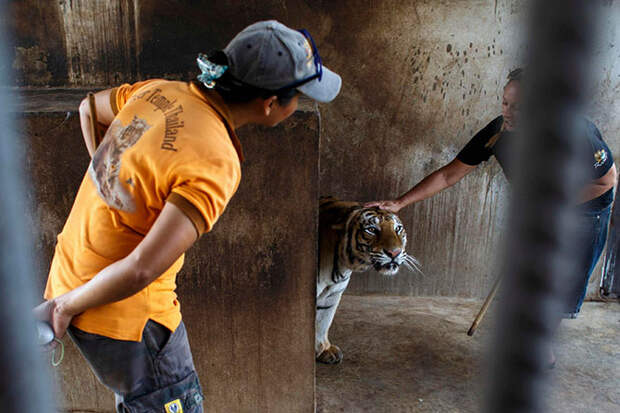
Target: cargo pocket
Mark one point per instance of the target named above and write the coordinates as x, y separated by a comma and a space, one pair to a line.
184, 396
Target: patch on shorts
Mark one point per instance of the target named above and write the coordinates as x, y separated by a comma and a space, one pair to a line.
174, 406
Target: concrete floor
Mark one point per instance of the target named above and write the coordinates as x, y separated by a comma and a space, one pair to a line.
413, 355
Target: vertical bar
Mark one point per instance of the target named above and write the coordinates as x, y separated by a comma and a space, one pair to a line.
542, 250
24, 382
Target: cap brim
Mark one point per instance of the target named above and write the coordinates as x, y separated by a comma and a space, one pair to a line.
324, 90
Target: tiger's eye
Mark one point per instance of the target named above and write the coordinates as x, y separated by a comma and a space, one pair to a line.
371, 230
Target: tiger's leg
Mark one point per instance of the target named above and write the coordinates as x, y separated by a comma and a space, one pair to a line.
327, 303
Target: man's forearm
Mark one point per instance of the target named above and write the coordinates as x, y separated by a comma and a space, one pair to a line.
599, 186
426, 188
439, 180
592, 191
114, 283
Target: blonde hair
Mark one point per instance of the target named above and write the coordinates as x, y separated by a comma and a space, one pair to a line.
516, 74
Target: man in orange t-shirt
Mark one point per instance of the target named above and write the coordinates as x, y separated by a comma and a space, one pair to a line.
164, 172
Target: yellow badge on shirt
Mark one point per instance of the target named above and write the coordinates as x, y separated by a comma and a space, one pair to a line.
600, 157
174, 406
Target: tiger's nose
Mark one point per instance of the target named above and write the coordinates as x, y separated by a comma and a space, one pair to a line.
393, 253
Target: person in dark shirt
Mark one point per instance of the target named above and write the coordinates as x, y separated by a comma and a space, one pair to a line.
495, 139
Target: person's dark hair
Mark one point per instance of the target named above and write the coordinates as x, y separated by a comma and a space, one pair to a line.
516, 74
234, 91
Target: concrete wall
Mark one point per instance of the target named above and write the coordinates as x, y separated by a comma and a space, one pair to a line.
247, 288
420, 77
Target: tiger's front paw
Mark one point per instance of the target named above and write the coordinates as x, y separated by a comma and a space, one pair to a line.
333, 355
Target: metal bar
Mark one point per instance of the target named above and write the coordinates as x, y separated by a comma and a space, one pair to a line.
542, 249
24, 382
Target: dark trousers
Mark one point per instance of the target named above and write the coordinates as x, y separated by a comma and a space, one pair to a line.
595, 222
154, 375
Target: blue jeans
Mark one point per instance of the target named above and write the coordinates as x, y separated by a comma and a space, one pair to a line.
154, 375
595, 224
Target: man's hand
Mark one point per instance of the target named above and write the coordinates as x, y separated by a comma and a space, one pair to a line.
171, 234
52, 313
388, 205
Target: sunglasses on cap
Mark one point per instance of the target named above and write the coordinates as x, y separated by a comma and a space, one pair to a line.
318, 64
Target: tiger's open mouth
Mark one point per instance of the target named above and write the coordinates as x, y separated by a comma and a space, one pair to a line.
389, 268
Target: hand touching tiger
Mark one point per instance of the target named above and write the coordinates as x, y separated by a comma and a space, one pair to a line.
387, 205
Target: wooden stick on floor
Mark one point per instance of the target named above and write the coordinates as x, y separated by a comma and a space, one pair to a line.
484, 308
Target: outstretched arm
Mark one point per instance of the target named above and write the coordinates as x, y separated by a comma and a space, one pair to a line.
439, 180
104, 116
171, 234
599, 186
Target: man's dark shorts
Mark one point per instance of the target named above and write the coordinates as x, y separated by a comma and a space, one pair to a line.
156, 374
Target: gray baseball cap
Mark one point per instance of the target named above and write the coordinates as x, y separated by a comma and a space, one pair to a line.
269, 55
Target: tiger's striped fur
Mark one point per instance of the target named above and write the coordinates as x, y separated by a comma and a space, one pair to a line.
352, 239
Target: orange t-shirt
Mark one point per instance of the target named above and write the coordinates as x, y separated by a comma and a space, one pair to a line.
169, 142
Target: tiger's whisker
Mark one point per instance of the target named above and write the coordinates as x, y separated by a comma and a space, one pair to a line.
414, 264
413, 261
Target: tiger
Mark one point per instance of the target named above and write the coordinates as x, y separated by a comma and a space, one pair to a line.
352, 239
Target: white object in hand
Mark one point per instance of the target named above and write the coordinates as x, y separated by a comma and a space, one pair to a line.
45, 334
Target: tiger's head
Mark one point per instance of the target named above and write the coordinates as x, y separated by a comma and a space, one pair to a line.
375, 238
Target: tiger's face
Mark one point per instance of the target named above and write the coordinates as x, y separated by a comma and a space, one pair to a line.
377, 239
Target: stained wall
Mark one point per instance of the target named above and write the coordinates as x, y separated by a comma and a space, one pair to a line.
420, 77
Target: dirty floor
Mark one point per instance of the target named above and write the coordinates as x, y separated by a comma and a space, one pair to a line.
406, 354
